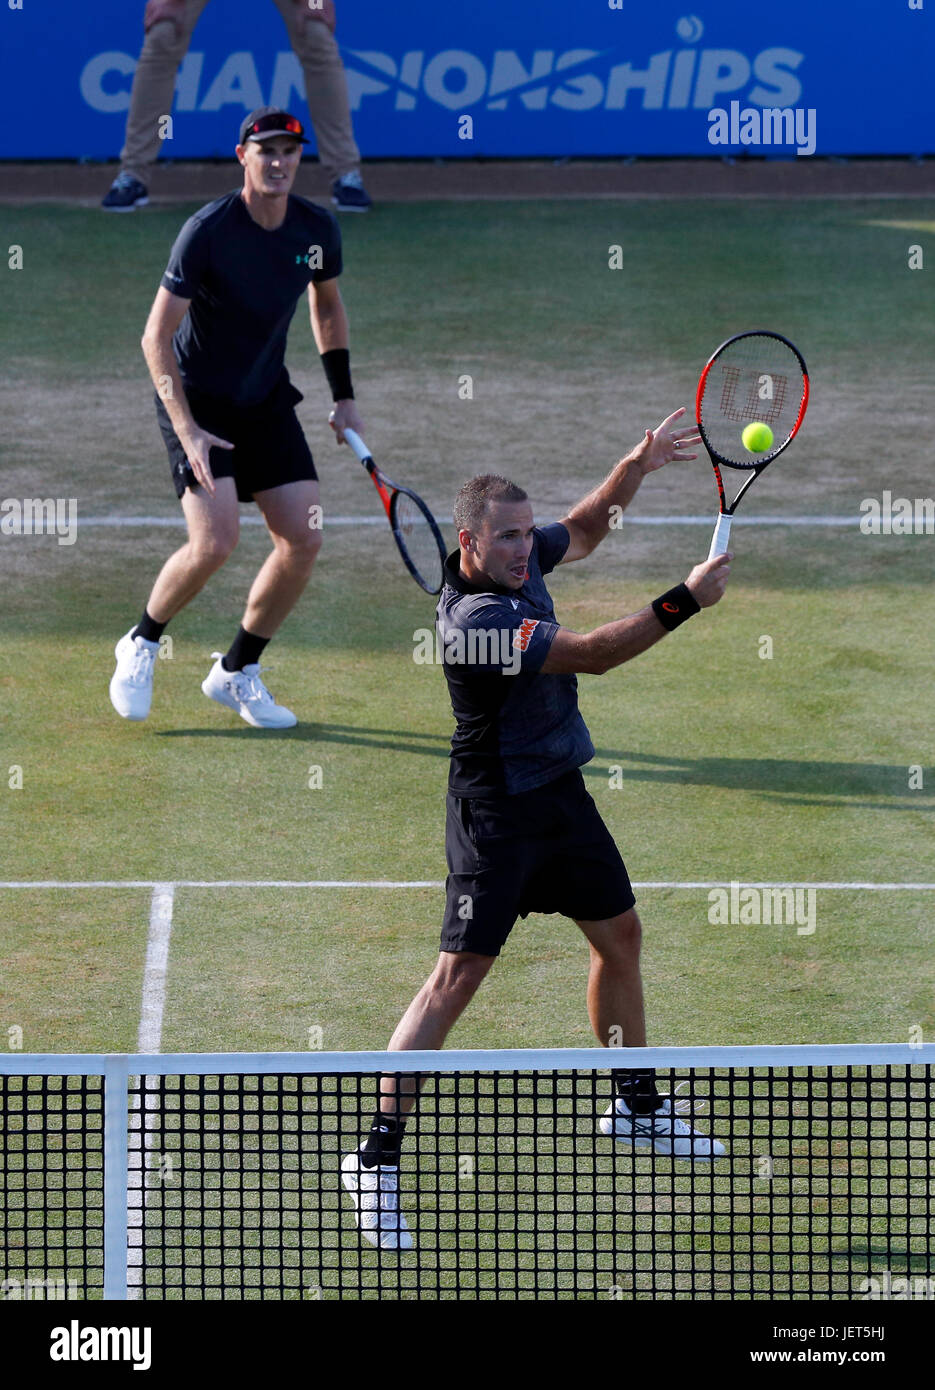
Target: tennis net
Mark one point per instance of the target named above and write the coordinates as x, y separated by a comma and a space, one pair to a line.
219, 1176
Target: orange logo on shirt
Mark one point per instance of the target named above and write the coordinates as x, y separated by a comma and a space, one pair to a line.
524, 632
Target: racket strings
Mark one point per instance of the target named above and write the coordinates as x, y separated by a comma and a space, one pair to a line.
755, 379
417, 537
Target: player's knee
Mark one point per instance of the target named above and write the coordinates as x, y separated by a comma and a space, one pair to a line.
314, 44
211, 551
304, 546
166, 40
620, 943
298, 549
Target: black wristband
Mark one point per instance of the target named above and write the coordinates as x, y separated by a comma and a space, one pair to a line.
337, 365
675, 607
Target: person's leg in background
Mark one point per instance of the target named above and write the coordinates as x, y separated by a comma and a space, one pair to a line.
168, 27
311, 33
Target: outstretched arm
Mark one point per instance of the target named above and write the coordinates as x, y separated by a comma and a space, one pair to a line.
614, 643
589, 521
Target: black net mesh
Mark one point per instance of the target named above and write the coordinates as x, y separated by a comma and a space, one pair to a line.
52, 1187
510, 1189
511, 1183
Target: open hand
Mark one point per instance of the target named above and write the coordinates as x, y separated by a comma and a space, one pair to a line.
666, 443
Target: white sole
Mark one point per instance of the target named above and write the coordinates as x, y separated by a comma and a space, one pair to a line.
644, 1143
235, 705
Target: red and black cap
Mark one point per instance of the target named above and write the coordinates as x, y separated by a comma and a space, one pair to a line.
267, 121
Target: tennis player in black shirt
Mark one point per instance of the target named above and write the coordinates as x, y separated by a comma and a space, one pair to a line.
522, 833
214, 344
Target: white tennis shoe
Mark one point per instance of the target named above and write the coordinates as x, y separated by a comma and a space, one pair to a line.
131, 685
244, 692
664, 1130
375, 1192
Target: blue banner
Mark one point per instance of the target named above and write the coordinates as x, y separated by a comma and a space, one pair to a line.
497, 77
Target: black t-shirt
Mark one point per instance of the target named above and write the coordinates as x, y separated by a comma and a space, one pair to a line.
244, 284
517, 728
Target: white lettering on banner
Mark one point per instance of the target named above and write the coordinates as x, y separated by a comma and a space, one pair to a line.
288, 80
576, 79
188, 81
578, 93
651, 81
107, 98
671, 80
772, 67
465, 92
720, 70
509, 72
235, 85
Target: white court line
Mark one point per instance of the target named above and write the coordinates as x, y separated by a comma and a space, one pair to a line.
842, 885
149, 1039
249, 519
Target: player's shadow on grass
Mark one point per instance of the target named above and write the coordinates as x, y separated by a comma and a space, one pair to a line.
779, 779
895, 1258
393, 740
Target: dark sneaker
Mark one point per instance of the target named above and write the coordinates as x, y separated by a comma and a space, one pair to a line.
126, 193
349, 195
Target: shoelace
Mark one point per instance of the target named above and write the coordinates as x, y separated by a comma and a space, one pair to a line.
143, 658
352, 180
247, 689
124, 180
687, 1105
385, 1191
257, 690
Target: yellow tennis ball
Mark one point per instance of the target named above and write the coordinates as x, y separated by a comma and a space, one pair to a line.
757, 437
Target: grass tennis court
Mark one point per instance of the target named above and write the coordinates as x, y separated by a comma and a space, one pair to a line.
793, 768
714, 763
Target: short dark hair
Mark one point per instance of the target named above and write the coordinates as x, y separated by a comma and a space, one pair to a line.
471, 501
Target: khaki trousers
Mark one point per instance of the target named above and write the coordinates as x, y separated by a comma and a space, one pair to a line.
325, 87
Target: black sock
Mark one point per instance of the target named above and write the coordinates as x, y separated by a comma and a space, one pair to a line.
638, 1089
384, 1142
148, 628
245, 650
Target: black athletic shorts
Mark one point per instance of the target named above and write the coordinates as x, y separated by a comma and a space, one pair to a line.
545, 850
269, 446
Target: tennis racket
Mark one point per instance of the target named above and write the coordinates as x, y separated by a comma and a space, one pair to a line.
415, 529
753, 378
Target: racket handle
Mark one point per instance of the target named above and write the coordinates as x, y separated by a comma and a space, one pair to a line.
721, 535
357, 444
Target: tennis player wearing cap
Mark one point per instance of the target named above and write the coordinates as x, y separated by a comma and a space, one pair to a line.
215, 343
523, 835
